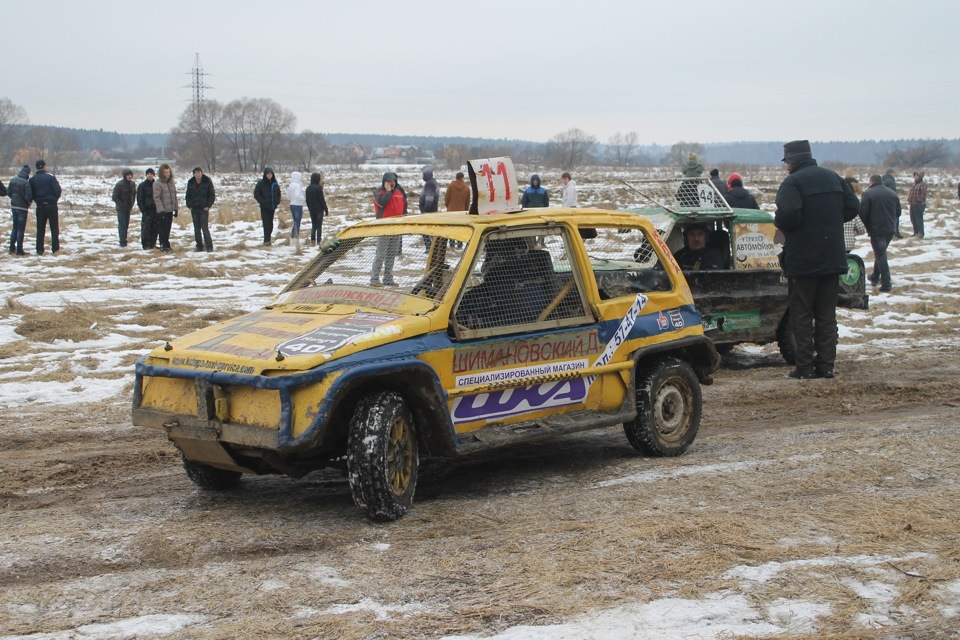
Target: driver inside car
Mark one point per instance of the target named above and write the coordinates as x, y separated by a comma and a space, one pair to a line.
696, 255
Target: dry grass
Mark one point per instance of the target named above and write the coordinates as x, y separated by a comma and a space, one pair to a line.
74, 323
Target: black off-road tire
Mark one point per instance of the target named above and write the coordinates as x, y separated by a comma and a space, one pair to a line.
786, 341
207, 477
382, 456
669, 406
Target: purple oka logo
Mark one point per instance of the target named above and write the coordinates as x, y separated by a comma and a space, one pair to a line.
510, 402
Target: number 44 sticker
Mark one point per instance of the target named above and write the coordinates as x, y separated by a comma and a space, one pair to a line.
494, 184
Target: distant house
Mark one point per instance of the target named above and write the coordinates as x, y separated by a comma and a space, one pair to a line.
400, 154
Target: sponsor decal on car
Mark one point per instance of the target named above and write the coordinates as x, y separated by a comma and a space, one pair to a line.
331, 337
732, 320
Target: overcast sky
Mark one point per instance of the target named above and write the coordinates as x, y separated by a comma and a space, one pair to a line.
686, 70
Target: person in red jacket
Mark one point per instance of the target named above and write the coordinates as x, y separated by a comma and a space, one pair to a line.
389, 200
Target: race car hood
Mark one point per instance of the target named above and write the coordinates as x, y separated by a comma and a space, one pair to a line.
272, 342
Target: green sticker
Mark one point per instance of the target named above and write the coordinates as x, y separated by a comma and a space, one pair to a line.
733, 320
852, 276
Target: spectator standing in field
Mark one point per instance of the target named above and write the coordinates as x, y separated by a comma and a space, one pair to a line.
124, 195
568, 197
739, 197
46, 193
535, 195
267, 195
317, 205
880, 211
429, 198
199, 197
389, 201
812, 205
718, 182
297, 199
890, 182
21, 195
148, 211
165, 199
457, 198
917, 199
687, 193
851, 179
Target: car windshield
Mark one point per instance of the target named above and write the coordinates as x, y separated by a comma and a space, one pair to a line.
381, 272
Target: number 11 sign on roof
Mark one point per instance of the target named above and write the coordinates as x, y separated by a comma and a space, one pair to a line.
494, 185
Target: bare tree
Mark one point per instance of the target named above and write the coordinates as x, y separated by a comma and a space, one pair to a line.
307, 148
12, 117
924, 154
270, 123
63, 144
238, 131
199, 132
680, 151
570, 149
37, 141
622, 146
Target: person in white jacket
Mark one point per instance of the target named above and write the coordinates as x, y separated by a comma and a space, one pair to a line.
569, 196
297, 199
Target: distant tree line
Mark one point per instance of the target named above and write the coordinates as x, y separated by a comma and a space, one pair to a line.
248, 134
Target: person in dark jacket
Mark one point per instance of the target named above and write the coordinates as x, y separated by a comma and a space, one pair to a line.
21, 195
267, 195
695, 254
812, 205
880, 211
46, 193
124, 195
317, 206
718, 182
148, 211
199, 197
739, 197
890, 182
535, 195
917, 199
429, 198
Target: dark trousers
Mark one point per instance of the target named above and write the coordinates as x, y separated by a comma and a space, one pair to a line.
164, 223
148, 229
123, 223
813, 318
316, 226
881, 267
267, 218
48, 213
201, 229
916, 218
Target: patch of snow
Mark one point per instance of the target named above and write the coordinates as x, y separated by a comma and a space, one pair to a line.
128, 629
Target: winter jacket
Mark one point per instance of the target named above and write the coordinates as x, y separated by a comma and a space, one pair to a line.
19, 190
890, 182
880, 211
430, 195
692, 168
165, 194
917, 195
267, 192
145, 197
568, 198
740, 198
200, 196
316, 202
720, 185
812, 205
125, 193
457, 197
46, 189
535, 195
388, 204
295, 191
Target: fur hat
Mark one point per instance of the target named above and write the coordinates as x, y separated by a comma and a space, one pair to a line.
796, 151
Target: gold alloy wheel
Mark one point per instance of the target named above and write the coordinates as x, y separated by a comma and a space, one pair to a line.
400, 456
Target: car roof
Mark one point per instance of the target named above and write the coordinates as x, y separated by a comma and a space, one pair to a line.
738, 215
579, 216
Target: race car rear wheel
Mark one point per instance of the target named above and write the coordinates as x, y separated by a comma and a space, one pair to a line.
669, 405
786, 341
207, 477
382, 456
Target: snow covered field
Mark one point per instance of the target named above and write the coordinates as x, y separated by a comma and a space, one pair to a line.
805, 509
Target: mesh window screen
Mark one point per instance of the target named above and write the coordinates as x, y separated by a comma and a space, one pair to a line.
520, 279
624, 263
411, 264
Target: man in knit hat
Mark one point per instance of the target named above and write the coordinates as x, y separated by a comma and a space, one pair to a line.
812, 205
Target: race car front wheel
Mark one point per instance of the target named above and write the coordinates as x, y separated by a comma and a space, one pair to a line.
669, 404
382, 456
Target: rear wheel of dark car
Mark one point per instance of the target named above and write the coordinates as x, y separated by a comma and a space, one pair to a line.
669, 404
785, 340
382, 456
207, 477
